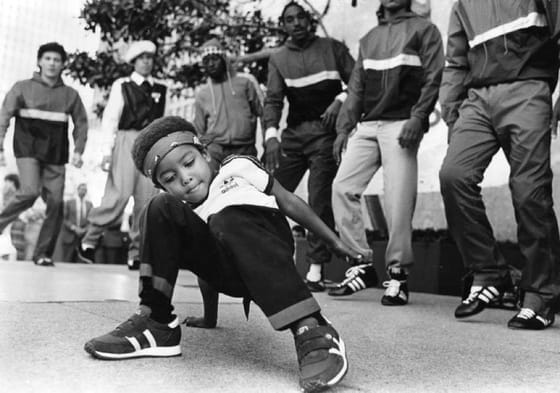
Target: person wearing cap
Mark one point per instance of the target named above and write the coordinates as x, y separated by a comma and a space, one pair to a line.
228, 227
133, 103
42, 107
226, 107
309, 71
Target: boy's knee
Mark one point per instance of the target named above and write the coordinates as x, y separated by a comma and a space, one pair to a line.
451, 175
162, 204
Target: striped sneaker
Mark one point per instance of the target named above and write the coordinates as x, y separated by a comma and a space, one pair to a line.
396, 293
478, 299
357, 278
139, 336
530, 320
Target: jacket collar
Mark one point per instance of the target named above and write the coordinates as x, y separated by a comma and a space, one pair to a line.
138, 79
37, 78
292, 45
398, 19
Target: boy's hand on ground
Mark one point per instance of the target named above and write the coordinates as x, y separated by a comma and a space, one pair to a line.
339, 146
199, 322
328, 118
272, 152
411, 133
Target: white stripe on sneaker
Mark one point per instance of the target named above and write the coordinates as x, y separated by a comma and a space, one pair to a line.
150, 338
174, 323
134, 342
361, 282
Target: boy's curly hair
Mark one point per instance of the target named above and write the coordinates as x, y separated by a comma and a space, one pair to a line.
154, 132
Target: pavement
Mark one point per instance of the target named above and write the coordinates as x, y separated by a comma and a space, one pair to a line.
47, 314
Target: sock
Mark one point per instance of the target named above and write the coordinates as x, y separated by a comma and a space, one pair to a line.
86, 246
314, 273
159, 304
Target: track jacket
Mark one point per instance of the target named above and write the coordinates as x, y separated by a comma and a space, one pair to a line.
397, 74
42, 113
497, 41
310, 77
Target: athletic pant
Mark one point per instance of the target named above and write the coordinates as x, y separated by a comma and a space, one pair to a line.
375, 144
244, 251
123, 181
38, 179
309, 146
516, 118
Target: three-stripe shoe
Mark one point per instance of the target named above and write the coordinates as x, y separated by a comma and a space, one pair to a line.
530, 320
322, 358
137, 337
478, 299
357, 278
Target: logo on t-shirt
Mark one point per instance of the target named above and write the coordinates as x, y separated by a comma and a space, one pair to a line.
228, 184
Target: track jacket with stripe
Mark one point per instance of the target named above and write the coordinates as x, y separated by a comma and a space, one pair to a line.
497, 41
310, 77
397, 74
42, 113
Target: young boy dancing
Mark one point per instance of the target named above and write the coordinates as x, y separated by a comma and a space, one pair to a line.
227, 227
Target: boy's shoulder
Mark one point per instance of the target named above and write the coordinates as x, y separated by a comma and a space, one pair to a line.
244, 162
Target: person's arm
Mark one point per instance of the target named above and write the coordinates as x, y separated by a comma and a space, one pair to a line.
272, 112
200, 119
453, 92
111, 117
299, 211
432, 60
12, 102
210, 299
351, 109
80, 131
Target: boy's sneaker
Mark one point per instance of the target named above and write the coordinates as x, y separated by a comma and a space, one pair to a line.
396, 293
137, 337
321, 356
315, 286
357, 278
478, 299
43, 261
530, 320
86, 255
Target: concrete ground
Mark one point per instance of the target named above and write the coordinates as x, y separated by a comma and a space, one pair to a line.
47, 314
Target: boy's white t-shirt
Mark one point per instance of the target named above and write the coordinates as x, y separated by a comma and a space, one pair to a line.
241, 180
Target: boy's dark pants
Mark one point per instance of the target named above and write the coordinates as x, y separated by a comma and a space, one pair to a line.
244, 251
516, 118
309, 146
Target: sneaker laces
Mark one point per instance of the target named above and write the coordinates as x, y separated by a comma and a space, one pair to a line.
526, 313
393, 287
354, 272
471, 298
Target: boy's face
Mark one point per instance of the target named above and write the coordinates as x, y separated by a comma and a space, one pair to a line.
50, 64
296, 23
214, 66
185, 173
144, 64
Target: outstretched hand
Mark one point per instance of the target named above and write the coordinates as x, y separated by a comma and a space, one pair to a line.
340, 249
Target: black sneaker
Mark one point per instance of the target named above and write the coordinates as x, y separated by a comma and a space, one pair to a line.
315, 286
43, 261
321, 357
478, 299
396, 293
530, 320
139, 336
133, 264
357, 278
86, 255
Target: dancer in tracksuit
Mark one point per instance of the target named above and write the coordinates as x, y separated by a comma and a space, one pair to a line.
309, 71
391, 94
229, 228
502, 66
134, 102
42, 107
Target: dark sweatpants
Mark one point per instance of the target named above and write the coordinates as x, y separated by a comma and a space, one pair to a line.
244, 251
309, 146
516, 118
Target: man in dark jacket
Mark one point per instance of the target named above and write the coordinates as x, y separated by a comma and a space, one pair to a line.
502, 66
308, 70
134, 102
391, 94
42, 106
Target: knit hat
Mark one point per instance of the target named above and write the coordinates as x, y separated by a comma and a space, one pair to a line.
212, 47
137, 48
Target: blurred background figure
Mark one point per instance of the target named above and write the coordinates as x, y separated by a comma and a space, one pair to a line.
8, 249
74, 226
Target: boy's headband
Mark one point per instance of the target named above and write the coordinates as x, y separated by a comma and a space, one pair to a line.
163, 146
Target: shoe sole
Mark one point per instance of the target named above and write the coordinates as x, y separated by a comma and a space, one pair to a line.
146, 352
319, 386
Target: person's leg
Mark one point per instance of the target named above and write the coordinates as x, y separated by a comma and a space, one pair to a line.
30, 179
523, 118
472, 145
118, 190
359, 164
52, 177
400, 182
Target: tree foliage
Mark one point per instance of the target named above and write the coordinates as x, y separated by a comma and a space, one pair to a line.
178, 27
